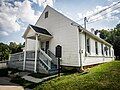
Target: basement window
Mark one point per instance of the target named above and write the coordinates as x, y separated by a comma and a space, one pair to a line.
46, 14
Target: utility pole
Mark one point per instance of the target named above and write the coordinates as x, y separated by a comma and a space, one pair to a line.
85, 22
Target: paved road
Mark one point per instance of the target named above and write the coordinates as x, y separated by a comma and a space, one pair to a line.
5, 84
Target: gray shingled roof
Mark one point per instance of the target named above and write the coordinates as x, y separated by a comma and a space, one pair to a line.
40, 30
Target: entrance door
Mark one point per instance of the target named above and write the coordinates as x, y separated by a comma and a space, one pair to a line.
46, 46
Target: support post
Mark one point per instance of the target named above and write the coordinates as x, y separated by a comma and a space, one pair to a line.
36, 47
25, 54
59, 67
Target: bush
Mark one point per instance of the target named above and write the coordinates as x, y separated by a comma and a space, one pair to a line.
3, 72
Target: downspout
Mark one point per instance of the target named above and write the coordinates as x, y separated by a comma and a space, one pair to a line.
80, 48
85, 45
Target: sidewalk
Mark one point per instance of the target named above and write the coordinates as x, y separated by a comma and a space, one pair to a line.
5, 84
37, 80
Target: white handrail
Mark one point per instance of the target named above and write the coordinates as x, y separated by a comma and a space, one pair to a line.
50, 59
17, 53
45, 63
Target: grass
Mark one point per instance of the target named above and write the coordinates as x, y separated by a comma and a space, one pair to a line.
102, 77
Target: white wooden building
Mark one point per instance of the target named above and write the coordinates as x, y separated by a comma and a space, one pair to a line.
80, 47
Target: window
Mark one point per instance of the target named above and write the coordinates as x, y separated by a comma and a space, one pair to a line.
109, 51
88, 45
96, 47
46, 14
102, 51
106, 50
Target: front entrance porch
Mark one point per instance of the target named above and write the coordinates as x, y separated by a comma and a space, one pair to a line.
41, 59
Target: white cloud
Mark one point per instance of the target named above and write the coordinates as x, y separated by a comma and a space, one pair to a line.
105, 15
8, 19
3, 33
44, 3
15, 17
26, 13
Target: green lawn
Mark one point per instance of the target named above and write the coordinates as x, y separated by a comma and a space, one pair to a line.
102, 77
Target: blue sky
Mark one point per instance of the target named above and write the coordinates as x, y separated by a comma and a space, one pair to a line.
15, 15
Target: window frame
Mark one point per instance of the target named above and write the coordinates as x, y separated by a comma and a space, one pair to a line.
88, 45
110, 51
96, 47
102, 49
106, 51
46, 14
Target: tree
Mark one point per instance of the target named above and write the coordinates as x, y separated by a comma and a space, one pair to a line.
15, 48
5, 51
104, 34
113, 37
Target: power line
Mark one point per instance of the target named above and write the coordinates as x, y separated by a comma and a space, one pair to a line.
100, 11
105, 14
104, 9
101, 19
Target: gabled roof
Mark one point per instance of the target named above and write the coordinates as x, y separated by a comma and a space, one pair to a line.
84, 30
36, 30
40, 30
44, 31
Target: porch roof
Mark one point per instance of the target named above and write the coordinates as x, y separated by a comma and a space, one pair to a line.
32, 30
40, 30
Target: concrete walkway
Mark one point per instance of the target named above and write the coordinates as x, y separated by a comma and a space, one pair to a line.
37, 80
5, 84
3, 65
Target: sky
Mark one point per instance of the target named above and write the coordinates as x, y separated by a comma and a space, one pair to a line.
16, 15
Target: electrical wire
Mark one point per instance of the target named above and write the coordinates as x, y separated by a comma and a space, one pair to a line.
101, 19
104, 14
88, 17
104, 9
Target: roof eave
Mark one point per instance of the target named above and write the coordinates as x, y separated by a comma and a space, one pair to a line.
96, 37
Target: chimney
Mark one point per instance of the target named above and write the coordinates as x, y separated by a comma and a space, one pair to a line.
97, 33
92, 30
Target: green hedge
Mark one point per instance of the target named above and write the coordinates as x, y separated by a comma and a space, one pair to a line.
3, 72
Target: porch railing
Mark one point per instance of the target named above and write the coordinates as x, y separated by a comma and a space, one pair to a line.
30, 55
17, 56
44, 58
54, 59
